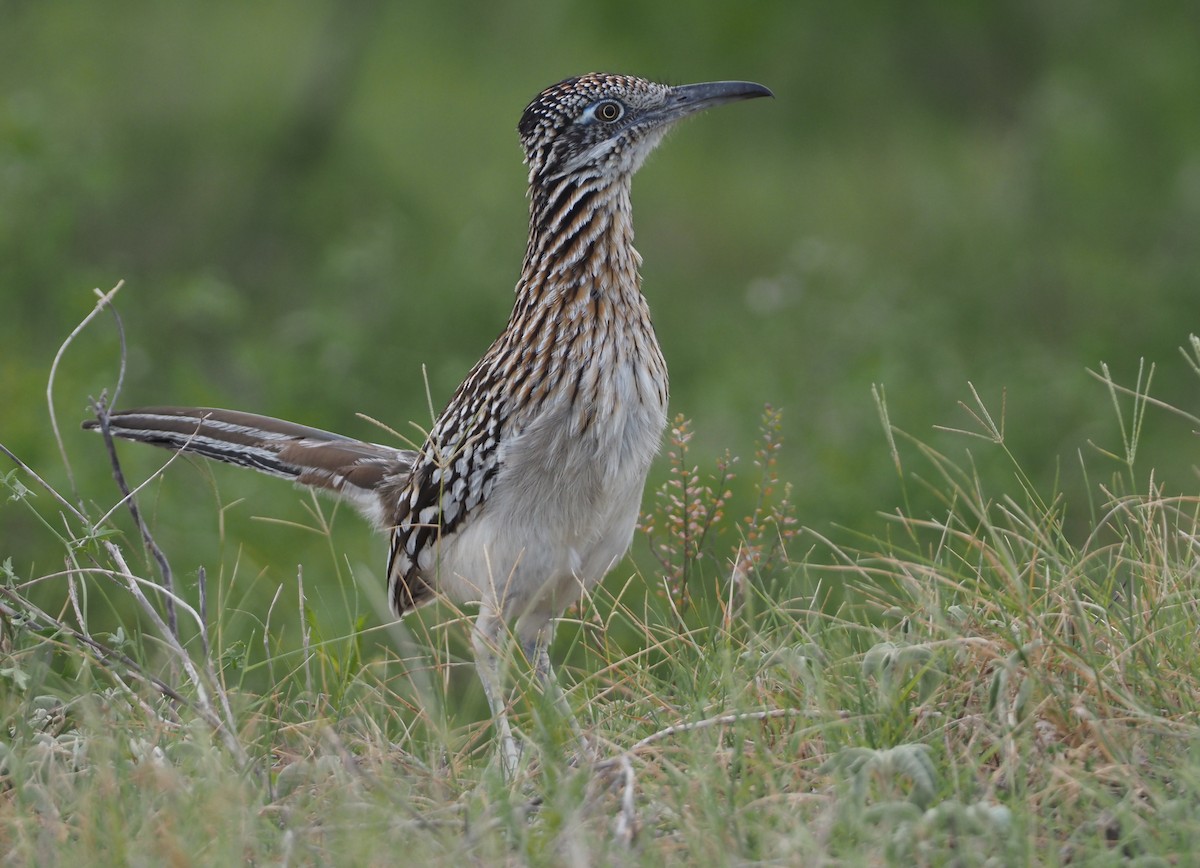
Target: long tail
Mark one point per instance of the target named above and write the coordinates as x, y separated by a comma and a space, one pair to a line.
360, 472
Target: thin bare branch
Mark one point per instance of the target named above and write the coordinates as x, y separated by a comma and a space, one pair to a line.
104, 302
160, 557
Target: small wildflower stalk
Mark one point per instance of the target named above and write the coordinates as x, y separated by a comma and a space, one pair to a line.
689, 516
686, 511
771, 524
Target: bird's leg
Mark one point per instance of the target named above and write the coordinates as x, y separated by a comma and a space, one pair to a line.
537, 651
487, 639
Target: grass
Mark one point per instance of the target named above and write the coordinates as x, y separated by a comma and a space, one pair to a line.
980, 683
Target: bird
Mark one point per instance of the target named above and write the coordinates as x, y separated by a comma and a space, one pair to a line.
527, 488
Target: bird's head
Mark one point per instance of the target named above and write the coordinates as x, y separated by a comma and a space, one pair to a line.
606, 125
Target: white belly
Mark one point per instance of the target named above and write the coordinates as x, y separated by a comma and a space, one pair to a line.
562, 510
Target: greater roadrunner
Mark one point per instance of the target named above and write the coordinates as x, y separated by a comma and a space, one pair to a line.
528, 487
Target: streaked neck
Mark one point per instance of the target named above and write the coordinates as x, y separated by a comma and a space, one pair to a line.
581, 235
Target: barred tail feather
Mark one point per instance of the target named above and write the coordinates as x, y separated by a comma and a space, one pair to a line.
352, 469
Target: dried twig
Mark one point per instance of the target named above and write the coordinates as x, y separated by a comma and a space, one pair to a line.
104, 302
104, 654
223, 721
627, 825
710, 722
202, 590
160, 557
32, 474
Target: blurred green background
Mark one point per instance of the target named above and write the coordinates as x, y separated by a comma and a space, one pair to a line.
314, 202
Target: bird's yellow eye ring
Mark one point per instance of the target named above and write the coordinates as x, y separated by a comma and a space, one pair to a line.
609, 111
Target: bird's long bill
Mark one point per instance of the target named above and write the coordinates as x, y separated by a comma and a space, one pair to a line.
688, 99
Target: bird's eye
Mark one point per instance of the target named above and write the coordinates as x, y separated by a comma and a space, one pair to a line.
609, 110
